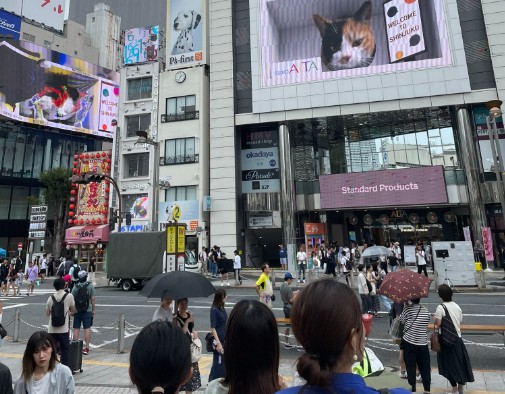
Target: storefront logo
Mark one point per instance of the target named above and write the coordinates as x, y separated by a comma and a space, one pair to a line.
399, 214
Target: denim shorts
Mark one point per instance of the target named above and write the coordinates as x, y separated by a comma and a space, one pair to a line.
84, 318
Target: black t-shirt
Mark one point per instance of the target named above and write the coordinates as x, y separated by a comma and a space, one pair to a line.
4, 271
393, 260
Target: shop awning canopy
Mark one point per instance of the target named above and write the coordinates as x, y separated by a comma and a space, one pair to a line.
87, 234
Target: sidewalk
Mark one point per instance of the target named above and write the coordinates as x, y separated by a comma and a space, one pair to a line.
107, 372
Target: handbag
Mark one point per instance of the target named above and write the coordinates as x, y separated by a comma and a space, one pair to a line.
209, 342
272, 297
3, 331
396, 329
448, 334
435, 340
196, 350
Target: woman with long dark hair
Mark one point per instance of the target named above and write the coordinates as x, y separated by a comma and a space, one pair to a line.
252, 352
453, 361
42, 373
333, 339
218, 318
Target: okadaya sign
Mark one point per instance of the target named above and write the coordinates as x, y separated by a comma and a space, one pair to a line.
414, 186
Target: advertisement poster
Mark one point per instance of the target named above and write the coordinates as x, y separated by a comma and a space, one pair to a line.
466, 233
412, 186
141, 45
260, 162
480, 115
93, 198
186, 21
313, 40
136, 204
10, 25
48, 88
189, 210
49, 12
487, 240
13, 6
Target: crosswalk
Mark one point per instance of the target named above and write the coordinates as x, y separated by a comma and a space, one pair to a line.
23, 294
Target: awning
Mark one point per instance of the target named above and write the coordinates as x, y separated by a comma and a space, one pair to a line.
87, 234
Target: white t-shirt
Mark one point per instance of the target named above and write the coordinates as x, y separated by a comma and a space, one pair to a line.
43, 264
420, 258
40, 386
301, 257
362, 287
162, 314
454, 311
343, 262
236, 262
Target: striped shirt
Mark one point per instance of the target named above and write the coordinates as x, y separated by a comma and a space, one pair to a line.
416, 325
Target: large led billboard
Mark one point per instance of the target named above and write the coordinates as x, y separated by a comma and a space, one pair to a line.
141, 45
313, 40
10, 25
48, 88
388, 188
49, 12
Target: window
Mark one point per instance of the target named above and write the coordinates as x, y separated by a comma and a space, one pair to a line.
181, 108
137, 122
180, 193
19, 203
180, 150
140, 88
28, 37
47, 44
5, 201
136, 165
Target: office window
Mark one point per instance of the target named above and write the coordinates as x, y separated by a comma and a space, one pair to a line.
19, 203
140, 88
137, 122
28, 37
181, 108
5, 201
136, 165
180, 193
180, 151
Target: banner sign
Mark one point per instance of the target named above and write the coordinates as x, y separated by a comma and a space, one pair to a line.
413, 186
260, 162
466, 233
10, 25
49, 12
38, 222
189, 213
141, 45
186, 40
313, 40
48, 88
487, 239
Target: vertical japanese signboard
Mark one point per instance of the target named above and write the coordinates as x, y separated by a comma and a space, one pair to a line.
38, 222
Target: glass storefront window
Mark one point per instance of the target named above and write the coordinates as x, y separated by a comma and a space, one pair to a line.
19, 155
8, 162
5, 199
19, 203
29, 151
38, 160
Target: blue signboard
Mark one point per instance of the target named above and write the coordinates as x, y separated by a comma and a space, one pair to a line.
10, 25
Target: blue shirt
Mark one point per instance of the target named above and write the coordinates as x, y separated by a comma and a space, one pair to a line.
283, 253
342, 383
218, 319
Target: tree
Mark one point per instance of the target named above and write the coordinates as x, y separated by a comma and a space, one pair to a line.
56, 195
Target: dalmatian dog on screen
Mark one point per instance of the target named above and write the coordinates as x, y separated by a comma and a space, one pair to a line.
185, 23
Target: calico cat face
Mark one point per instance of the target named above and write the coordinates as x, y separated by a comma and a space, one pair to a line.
347, 42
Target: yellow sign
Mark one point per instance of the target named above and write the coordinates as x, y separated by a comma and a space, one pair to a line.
171, 234
176, 212
181, 239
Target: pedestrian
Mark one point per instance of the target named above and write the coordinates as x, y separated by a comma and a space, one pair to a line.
212, 262
421, 261
50, 266
92, 270
1, 316
59, 307
19, 280
187, 322
42, 373
203, 259
283, 257
317, 263
393, 262
345, 266
165, 310
479, 255
264, 286
453, 361
397, 251
5, 379
4, 274
333, 344
363, 289
218, 318
32, 274
74, 273
301, 259
11, 280
43, 267
237, 264
84, 296
382, 298
160, 360
251, 326
373, 278
415, 319
221, 265
288, 297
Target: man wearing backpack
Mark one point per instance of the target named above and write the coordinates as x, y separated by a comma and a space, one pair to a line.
84, 296
74, 274
59, 307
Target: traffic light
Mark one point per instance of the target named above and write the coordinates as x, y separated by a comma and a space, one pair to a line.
128, 219
94, 177
112, 219
79, 179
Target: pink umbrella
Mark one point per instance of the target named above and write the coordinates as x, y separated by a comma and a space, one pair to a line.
405, 285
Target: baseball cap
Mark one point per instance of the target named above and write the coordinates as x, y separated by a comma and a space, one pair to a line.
82, 274
288, 275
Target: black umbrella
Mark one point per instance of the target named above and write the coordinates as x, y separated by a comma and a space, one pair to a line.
178, 284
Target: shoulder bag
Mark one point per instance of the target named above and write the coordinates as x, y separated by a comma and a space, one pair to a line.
448, 334
435, 340
195, 345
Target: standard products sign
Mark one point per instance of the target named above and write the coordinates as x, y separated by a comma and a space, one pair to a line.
414, 186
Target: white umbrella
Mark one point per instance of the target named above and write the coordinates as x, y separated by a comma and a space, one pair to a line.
376, 251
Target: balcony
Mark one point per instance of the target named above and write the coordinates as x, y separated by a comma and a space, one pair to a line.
181, 159
188, 115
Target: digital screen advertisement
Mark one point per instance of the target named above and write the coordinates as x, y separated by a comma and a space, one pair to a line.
412, 186
315, 40
10, 25
189, 210
260, 162
136, 204
48, 88
185, 41
141, 45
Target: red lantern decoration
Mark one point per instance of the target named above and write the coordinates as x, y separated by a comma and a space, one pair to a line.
71, 206
97, 155
93, 221
70, 221
104, 154
107, 160
74, 170
81, 221
76, 221
86, 155
81, 156
106, 204
71, 214
75, 163
73, 191
72, 199
107, 190
98, 221
87, 221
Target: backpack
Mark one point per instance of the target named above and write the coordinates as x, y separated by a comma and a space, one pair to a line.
448, 334
58, 315
81, 298
66, 267
357, 254
75, 273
